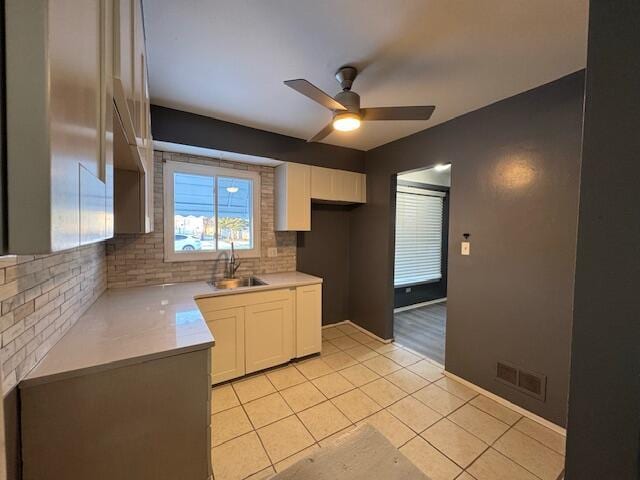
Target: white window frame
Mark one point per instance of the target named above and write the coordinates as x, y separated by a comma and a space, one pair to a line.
169, 169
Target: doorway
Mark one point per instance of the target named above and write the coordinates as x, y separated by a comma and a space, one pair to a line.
420, 261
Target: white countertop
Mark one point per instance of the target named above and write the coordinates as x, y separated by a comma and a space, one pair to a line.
272, 281
130, 325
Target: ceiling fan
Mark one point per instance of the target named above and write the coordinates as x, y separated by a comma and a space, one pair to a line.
345, 106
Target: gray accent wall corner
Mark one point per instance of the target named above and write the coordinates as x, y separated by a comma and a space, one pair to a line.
515, 170
604, 403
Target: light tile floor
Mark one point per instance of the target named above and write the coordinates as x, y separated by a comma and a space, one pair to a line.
264, 423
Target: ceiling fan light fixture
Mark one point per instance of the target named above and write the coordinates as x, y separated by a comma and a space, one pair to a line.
346, 122
232, 189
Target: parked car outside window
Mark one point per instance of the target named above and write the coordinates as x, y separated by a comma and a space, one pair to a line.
187, 242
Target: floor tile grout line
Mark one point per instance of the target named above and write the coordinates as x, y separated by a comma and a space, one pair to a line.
535, 439
382, 408
447, 456
256, 430
513, 459
316, 441
490, 414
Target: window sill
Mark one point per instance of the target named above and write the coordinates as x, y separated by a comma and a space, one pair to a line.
220, 256
417, 284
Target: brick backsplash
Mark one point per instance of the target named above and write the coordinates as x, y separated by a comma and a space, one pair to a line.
134, 260
41, 296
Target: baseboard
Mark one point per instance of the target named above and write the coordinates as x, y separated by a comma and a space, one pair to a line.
418, 305
363, 330
526, 413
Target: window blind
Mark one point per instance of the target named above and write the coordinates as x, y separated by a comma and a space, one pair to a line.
418, 255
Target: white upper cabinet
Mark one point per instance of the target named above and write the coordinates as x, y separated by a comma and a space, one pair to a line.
296, 185
134, 147
59, 130
293, 197
338, 186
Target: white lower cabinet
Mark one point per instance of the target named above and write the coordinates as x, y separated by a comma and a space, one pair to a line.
268, 334
228, 327
309, 331
257, 330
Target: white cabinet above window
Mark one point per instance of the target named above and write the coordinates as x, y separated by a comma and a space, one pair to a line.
297, 185
293, 197
339, 186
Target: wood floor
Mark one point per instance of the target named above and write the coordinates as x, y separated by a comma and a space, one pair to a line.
423, 330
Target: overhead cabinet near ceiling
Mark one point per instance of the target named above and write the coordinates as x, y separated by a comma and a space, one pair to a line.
297, 185
293, 197
59, 124
338, 186
68, 64
133, 157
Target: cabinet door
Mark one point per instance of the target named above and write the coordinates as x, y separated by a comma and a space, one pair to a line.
293, 197
322, 183
308, 320
227, 355
123, 62
139, 74
56, 93
268, 334
348, 186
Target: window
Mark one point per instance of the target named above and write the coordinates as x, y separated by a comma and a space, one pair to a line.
418, 256
209, 208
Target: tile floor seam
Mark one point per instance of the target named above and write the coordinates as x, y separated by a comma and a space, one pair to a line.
533, 438
470, 432
518, 464
443, 453
489, 445
324, 438
488, 413
513, 459
256, 431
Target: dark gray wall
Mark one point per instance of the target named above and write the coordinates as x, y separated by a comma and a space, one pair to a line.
324, 251
604, 401
515, 169
175, 126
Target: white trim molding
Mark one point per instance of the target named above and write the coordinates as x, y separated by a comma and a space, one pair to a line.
169, 169
358, 327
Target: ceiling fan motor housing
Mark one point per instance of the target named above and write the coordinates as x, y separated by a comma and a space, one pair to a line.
345, 76
351, 100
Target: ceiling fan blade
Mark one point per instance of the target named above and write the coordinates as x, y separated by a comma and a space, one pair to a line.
309, 90
398, 113
322, 133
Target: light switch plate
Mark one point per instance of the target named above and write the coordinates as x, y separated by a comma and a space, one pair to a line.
465, 248
272, 252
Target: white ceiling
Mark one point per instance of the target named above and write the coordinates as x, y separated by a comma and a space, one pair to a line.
228, 58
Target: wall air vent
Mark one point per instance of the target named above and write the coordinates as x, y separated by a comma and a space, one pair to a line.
507, 373
534, 384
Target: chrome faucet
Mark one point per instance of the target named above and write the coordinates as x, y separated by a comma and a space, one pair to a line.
232, 264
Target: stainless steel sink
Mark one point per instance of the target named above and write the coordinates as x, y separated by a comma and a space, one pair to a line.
226, 283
